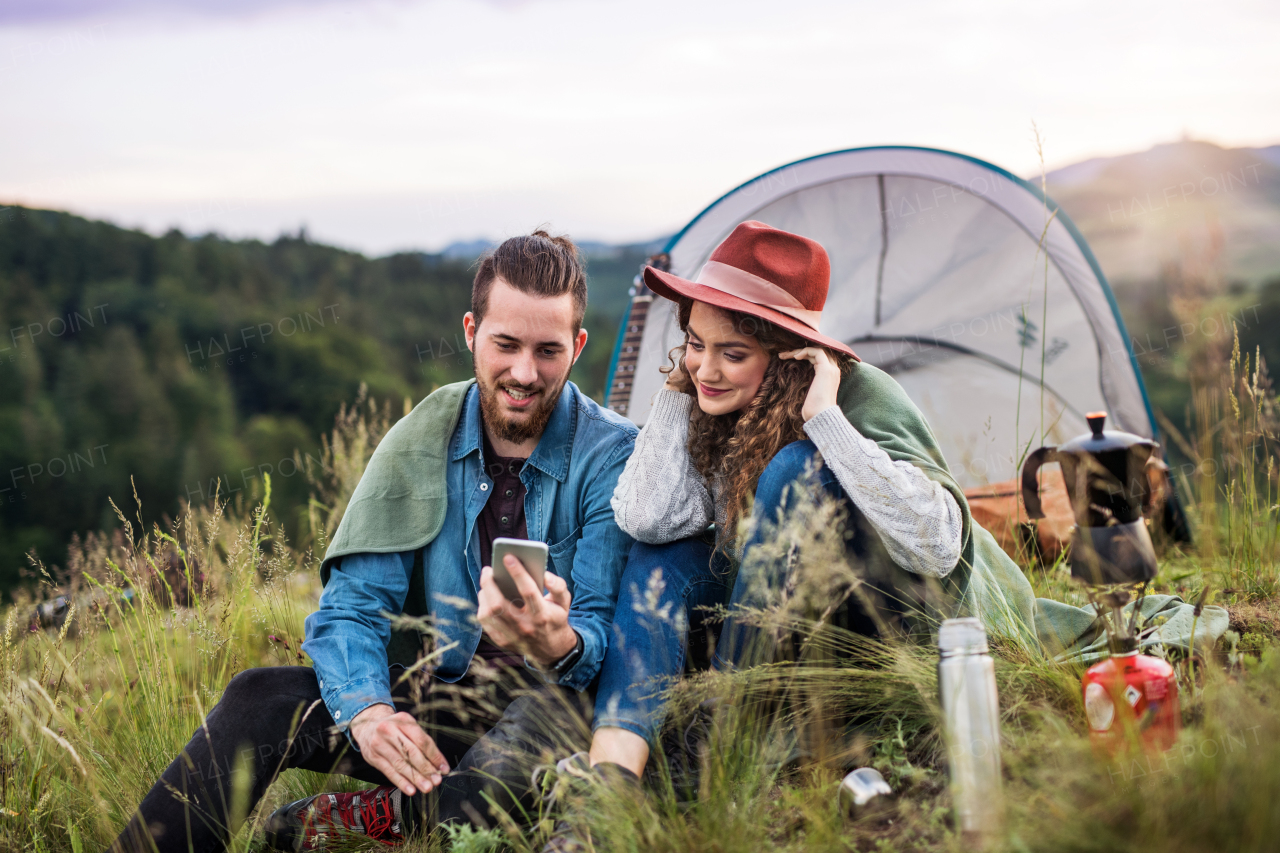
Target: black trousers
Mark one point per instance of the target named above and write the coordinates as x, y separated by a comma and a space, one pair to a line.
492, 727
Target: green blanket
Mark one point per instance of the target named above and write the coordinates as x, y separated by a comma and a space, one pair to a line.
1165, 622
399, 505
987, 583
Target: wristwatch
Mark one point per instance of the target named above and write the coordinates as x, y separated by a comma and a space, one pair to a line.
566, 663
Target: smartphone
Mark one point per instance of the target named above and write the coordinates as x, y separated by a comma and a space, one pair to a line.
532, 554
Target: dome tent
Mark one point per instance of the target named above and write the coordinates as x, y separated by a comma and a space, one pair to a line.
963, 281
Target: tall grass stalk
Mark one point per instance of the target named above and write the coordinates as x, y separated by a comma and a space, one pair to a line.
92, 711
1235, 461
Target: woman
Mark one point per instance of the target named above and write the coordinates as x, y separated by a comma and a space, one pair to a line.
760, 411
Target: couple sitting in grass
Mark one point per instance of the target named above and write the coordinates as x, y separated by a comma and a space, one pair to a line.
429, 682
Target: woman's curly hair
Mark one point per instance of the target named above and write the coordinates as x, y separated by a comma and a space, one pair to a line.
737, 446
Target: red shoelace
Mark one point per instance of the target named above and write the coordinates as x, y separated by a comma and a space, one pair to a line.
375, 815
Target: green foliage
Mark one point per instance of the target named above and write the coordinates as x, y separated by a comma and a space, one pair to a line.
467, 839
1170, 331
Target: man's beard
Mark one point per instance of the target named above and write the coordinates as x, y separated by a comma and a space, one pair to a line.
516, 432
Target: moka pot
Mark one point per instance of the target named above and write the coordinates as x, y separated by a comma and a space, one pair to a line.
1106, 479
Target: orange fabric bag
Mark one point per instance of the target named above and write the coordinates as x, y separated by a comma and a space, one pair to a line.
998, 507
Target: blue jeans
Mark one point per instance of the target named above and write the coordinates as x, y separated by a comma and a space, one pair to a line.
666, 590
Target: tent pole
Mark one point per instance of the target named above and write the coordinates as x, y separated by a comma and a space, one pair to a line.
884, 245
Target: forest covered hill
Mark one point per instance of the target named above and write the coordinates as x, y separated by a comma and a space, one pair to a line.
189, 364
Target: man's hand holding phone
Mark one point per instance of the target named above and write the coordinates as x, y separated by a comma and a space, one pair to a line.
538, 626
395, 744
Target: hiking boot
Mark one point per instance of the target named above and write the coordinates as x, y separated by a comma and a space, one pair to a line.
697, 734
575, 773
685, 746
549, 783
315, 822
552, 785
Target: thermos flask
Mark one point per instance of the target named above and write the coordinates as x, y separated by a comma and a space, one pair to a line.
971, 714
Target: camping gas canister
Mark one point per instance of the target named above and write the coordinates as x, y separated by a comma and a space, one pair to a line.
1131, 692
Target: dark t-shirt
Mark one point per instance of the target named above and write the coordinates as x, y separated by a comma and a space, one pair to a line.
503, 515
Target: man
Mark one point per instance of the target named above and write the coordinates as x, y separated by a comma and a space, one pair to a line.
522, 453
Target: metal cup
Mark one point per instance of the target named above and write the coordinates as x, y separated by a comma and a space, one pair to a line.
864, 793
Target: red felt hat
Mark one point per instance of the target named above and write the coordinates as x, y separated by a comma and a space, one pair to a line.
765, 272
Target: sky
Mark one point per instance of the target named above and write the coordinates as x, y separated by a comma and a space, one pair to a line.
386, 125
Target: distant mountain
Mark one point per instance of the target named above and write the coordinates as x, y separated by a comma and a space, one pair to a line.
610, 250
466, 250
1185, 200
1271, 154
469, 250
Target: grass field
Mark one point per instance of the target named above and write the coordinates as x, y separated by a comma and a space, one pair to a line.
92, 711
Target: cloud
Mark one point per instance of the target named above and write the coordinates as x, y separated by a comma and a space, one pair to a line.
18, 12
390, 123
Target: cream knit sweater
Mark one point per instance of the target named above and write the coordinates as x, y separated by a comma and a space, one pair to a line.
661, 497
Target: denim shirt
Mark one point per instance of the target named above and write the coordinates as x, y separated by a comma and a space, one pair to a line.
569, 481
